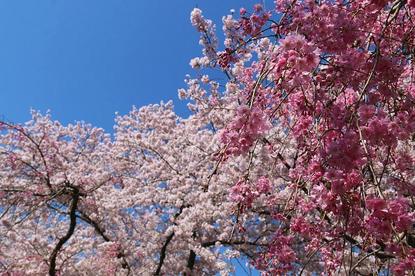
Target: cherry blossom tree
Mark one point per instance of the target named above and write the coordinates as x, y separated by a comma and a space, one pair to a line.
298, 154
153, 200
337, 78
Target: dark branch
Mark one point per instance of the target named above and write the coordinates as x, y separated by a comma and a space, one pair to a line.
163, 253
94, 224
191, 261
101, 232
166, 243
64, 239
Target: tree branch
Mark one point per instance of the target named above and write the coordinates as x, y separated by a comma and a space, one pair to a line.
191, 260
163, 253
101, 232
166, 243
64, 239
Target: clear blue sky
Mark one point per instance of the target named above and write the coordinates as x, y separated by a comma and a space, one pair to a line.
86, 59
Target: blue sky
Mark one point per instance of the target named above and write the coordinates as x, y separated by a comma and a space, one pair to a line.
86, 59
